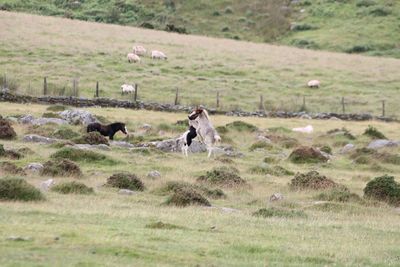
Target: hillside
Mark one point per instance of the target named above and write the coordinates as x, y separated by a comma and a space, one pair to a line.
63, 49
353, 26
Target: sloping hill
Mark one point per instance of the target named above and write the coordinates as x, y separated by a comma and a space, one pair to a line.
354, 26
32, 47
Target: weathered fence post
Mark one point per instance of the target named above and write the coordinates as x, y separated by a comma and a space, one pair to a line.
176, 96
97, 89
45, 86
261, 106
136, 92
217, 99
304, 107
343, 106
383, 108
74, 87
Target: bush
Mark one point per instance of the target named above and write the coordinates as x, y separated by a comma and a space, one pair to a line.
365, 3
339, 194
228, 10
81, 155
125, 181
61, 167
302, 27
311, 180
6, 130
305, 43
65, 133
358, 49
11, 168
260, 145
380, 11
374, 133
56, 108
173, 186
92, 138
281, 213
241, 126
307, 155
183, 197
18, 189
383, 188
223, 176
72, 188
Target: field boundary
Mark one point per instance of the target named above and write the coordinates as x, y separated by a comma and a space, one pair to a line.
114, 103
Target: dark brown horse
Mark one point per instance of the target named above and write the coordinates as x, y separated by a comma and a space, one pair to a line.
107, 130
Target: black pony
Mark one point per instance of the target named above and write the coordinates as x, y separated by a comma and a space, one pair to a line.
107, 130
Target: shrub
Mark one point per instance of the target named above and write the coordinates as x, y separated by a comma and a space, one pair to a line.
311, 180
279, 130
224, 176
216, 13
338, 194
174, 186
187, 196
11, 168
56, 108
358, 49
80, 155
383, 188
65, 133
18, 189
6, 130
241, 126
72, 188
327, 149
302, 27
365, 3
125, 181
307, 155
374, 133
228, 10
341, 132
61, 167
260, 145
305, 43
221, 129
281, 213
92, 138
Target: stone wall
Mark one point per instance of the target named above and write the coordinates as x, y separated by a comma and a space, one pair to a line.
107, 102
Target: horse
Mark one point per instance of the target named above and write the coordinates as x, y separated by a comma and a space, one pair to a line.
205, 130
188, 136
107, 130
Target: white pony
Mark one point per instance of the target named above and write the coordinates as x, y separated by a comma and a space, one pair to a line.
205, 130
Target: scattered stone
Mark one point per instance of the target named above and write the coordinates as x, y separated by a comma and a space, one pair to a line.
126, 192
347, 148
175, 145
45, 185
122, 144
34, 167
29, 119
381, 143
276, 197
34, 138
78, 116
154, 174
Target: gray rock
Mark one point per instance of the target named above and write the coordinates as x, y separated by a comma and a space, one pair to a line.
78, 116
154, 174
175, 145
126, 192
121, 144
29, 119
347, 148
381, 143
264, 139
34, 138
45, 185
305, 117
276, 197
92, 147
146, 127
34, 167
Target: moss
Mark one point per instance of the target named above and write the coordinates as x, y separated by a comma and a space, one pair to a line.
374, 133
223, 176
125, 181
307, 155
383, 188
241, 126
72, 188
311, 180
61, 167
18, 189
280, 213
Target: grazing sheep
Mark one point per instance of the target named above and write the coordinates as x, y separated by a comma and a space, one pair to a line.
139, 50
158, 55
313, 84
127, 89
133, 58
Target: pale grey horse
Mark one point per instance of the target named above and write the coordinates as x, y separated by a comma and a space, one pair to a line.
205, 130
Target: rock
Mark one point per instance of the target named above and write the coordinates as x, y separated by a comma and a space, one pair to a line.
146, 127
347, 148
305, 117
45, 185
29, 119
78, 116
126, 192
34, 138
380, 143
121, 144
276, 197
92, 147
33, 167
264, 139
175, 145
333, 118
154, 174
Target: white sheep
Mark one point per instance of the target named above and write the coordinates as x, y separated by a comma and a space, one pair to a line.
158, 55
139, 50
127, 89
313, 84
133, 58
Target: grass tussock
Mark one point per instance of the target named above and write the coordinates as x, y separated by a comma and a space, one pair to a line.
306, 154
16, 189
81, 155
186, 196
72, 188
367, 156
374, 133
260, 145
51, 115
11, 154
241, 126
164, 226
274, 171
125, 181
11, 168
92, 138
56, 108
61, 167
311, 180
279, 213
222, 176
338, 194
174, 186
65, 133
7, 132
383, 188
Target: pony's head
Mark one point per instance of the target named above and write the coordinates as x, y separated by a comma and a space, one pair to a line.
195, 113
119, 126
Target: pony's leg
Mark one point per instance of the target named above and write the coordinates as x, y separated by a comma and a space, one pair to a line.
209, 148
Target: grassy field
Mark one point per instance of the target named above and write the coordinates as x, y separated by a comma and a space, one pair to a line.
61, 49
108, 229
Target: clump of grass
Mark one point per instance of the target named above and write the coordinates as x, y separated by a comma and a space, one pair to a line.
81, 155
365, 3
241, 126
380, 11
65, 133
222, 129
225, 159
274, 171
279, 129
338, 194
280, 213
327, 149
260, 145
11, 168
303, 27
6, 130
306, 154
51, 115
72, 188
92, 138
311, 180
270, 159
383, 188
374, 133
223, 176
61, 167
186, 196
370, 156
125, 181
44, 130
18, 189
56, 108
173, 186
11, 154
166, 226
341, 132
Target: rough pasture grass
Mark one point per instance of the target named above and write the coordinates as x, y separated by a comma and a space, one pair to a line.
62, 49
111, 229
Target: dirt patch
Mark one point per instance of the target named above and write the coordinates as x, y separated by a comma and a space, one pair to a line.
383, 188
61, 167
280, 213
222, 176
125, 181
11, 168
306, 154
6, 130
72, 188
183, 197
18, 189
311, 180
92, 138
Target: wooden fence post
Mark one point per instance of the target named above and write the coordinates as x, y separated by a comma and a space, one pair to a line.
217, 99
74, 87
136, 92
45, 86
97, 89
304, 107
383, 108
261, 106
343, 106
176, 96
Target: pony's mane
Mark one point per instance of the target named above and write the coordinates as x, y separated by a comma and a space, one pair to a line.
206, 114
